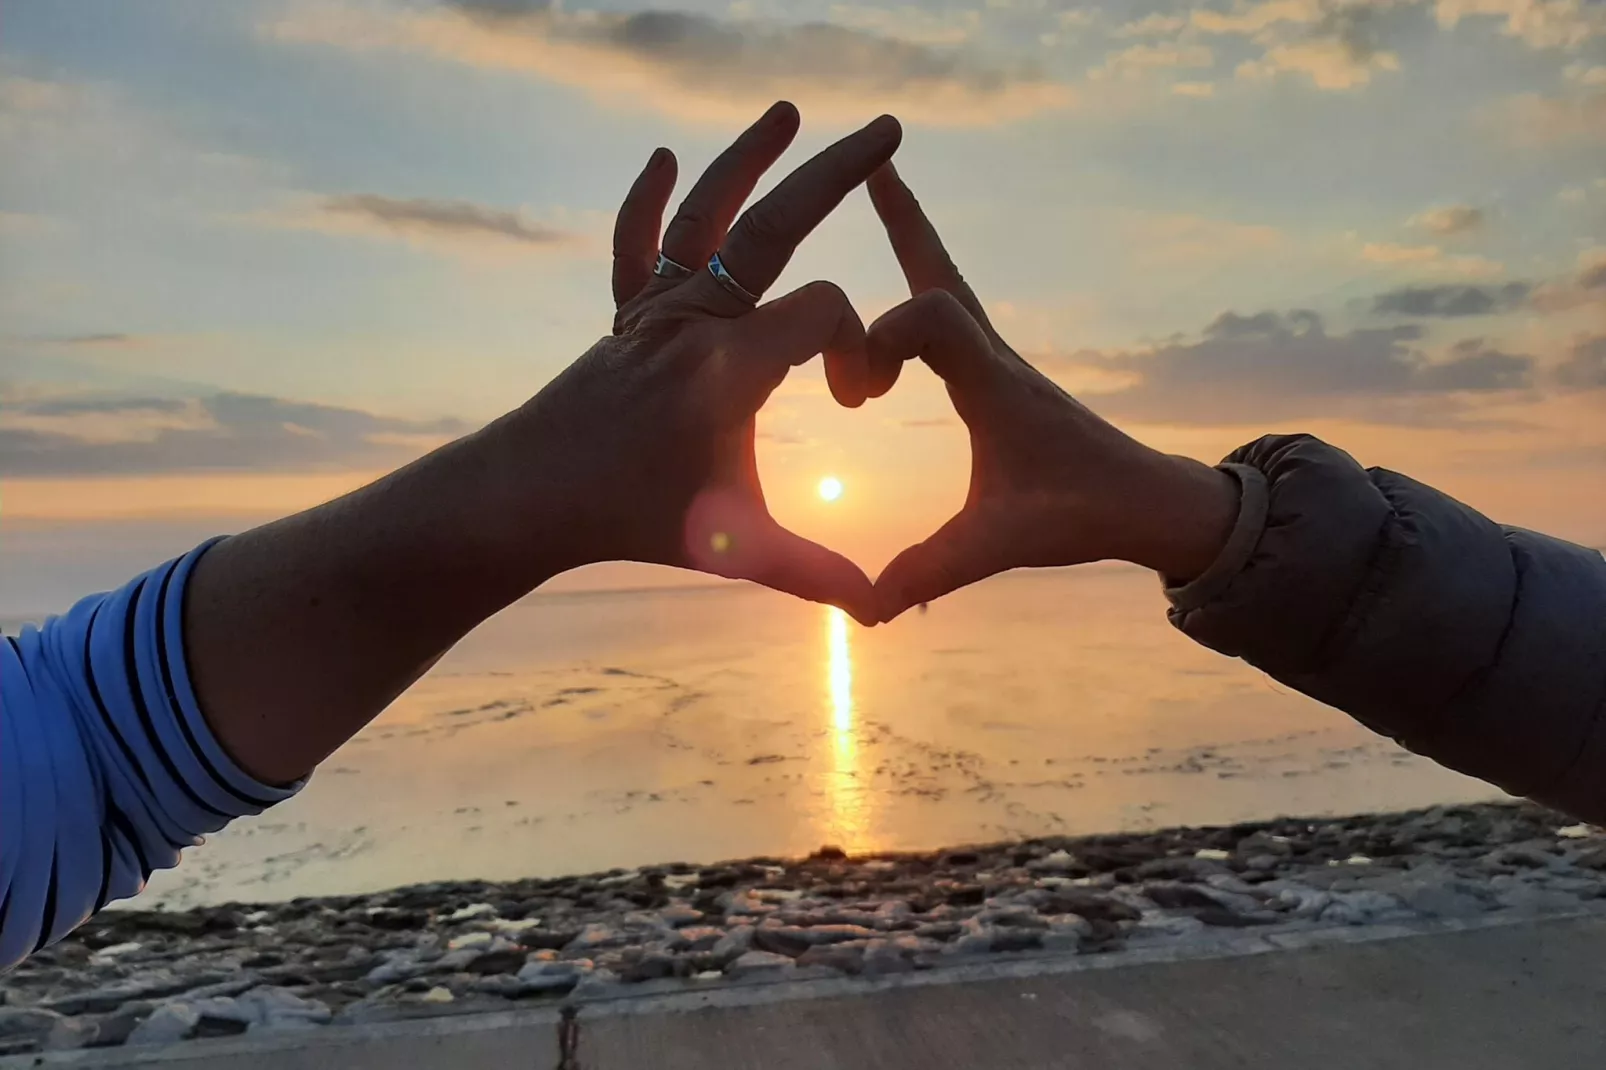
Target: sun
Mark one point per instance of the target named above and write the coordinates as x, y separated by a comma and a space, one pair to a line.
830, 488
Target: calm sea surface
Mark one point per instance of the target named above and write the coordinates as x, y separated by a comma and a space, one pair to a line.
585, 731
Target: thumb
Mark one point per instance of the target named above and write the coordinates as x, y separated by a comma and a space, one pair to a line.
790, 330
796, 566
729, 533
956, 555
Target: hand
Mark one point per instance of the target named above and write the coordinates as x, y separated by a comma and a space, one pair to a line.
1050, 482
647, 441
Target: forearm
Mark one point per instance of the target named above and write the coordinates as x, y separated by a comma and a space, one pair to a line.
1479, 646
301, 631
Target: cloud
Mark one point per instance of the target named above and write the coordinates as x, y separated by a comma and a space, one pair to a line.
1193, 89
695, 67
1586, 287
100, 340
1585, 74
1250, 20
1533, 119
1137, 60
1154, 24
1451, 301
1450, 219
1585, 366
107, 435
1333, 44
1564, 24
1329, 62
427, 218
1271, 365
941, 29
1432, 258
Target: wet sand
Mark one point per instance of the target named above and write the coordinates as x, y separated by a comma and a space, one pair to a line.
580, 732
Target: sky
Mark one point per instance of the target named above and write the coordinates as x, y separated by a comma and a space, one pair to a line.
255, 254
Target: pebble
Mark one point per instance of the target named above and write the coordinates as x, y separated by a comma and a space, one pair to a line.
169, 1023
153, 977
758, 964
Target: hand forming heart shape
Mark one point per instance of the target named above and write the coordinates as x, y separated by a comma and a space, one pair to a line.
691, 361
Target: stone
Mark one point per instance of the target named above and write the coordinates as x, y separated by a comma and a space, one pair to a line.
27, 1022
438, 994
788, 940
273, 1008
1090, 906
971, 943
398, 966
734, 943
677, 915
651, 966
476, 910
883, 957
1173, 896
505, 960
548, 939
476, 941
844, 958
1594, 858
596, 936
1014, 938
600, 982
754, 964
1534, 900
549, 976
114, 1028
168, 1024
697, 938
1060, 861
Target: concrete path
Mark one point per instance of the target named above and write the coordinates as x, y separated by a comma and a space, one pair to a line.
1498, 998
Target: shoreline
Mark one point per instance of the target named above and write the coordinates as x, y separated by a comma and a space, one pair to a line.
152, 977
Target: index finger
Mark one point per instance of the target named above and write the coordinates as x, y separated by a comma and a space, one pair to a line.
761, 243
917, 245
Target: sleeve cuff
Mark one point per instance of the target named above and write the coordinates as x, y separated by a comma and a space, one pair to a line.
1240, 546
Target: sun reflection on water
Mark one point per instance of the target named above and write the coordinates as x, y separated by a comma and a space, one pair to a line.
847, 795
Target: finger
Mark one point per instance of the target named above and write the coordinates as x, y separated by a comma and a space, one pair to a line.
953, 557
729, 533
796, 566
761, 243
788, 331
705, 215
917, 245
635, 231
935, 327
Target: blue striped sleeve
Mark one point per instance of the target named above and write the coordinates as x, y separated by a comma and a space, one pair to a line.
108, 768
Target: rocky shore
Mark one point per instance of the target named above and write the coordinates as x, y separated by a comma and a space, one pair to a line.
142, 977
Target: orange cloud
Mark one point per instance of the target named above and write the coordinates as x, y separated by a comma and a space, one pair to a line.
696, 68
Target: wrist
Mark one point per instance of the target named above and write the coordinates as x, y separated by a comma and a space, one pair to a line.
1180, 515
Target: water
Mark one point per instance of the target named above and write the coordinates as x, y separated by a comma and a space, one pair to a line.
579, 732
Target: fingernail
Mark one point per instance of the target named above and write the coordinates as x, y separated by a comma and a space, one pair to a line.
660, 156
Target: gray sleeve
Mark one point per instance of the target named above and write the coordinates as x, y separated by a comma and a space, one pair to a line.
1480, 646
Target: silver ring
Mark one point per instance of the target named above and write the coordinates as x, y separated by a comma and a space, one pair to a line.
716, 268
670, 269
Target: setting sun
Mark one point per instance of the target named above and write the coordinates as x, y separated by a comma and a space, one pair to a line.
830, 488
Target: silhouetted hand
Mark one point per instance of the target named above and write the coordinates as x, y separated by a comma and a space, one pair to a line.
1050, 482
649, 436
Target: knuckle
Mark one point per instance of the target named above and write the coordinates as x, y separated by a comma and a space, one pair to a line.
766, 223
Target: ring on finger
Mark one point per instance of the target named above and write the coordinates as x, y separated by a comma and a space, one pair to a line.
672, 270
716, 268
